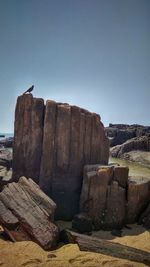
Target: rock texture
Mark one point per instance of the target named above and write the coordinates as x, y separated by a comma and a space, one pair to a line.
103, 195
52, 144
26, 213
138, 197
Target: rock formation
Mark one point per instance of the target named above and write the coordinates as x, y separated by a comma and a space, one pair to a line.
52, 143
110, 199
103, 195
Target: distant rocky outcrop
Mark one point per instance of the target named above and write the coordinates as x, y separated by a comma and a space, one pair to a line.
120, 133
138, 143
52, 143
130, 142
136, 149
7, 142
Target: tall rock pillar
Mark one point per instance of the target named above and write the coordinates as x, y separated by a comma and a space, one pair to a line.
28, 137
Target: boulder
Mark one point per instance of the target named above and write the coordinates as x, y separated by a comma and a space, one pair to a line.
26, 213
138, 196
68, 137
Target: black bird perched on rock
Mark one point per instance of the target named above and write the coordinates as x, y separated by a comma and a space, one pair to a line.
29, 90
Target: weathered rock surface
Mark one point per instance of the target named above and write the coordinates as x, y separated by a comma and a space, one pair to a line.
103, 195
68, 137
138, 197
26, 213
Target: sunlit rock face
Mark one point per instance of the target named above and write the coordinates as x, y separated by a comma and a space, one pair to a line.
52, 144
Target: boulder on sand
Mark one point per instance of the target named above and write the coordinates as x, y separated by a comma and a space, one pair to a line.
26, 213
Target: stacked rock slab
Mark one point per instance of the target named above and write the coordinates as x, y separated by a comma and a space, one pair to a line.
103, 195
26, 213
52, 144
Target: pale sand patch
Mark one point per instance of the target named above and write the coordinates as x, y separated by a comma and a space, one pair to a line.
31, 255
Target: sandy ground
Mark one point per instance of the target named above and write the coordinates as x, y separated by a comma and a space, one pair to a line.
30, 254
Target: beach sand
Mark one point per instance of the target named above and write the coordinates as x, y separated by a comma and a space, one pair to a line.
29, 254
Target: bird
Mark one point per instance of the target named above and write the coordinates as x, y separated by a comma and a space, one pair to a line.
29, 90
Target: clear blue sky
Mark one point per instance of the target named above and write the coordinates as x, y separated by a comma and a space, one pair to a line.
91, 53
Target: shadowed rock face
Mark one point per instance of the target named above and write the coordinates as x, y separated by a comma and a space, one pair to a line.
52, 144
